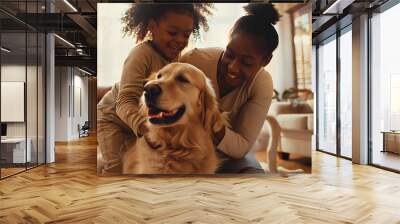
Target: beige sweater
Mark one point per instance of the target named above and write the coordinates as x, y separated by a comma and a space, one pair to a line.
140, 63
248, 105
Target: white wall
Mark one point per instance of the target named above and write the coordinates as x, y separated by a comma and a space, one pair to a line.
82, 83
281, 66
80, 97
61, 103
12, 73
112, 47
70, 83
33, 127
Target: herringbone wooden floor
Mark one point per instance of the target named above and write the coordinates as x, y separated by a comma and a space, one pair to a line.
70, 191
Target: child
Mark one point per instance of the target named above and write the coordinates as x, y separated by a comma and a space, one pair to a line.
170, 26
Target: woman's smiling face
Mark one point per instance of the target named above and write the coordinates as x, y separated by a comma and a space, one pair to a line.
241, 60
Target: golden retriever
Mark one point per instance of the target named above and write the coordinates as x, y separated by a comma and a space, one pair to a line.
181, 109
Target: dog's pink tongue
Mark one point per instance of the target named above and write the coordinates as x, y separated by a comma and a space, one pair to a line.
159, 115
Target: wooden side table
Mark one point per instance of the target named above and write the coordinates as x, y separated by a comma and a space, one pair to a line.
391, 141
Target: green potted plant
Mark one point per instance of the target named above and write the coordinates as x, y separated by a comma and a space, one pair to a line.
276, 96
289, 94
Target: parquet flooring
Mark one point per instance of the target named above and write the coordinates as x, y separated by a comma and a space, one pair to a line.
69, 191
386, 159
9, 171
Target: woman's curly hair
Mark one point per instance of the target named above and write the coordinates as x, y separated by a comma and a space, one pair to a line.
137, 17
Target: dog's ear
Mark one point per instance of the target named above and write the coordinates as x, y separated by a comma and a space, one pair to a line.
152, 76
142, 107
211, 116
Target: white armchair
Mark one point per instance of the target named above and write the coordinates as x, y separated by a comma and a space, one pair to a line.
296, 124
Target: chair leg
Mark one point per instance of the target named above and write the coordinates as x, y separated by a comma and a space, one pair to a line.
284, 155
275, 133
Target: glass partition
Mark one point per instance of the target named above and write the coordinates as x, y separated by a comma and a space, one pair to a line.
13, 103
22, 88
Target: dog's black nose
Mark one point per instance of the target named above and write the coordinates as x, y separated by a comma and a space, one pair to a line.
152, 91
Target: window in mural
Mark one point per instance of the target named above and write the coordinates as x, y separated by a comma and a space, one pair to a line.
302, 39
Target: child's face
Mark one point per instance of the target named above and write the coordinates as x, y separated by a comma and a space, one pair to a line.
171, 33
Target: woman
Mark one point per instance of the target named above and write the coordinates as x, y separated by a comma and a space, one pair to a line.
244, 89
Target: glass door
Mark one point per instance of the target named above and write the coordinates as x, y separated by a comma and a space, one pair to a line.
346, 92
326, 99
385, 89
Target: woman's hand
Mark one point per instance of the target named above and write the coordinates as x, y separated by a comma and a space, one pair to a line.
218, 135
153, 143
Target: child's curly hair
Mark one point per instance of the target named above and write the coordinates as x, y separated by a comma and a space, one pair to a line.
137, 17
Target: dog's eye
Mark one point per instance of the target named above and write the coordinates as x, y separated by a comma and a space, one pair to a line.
182, 79
159, 76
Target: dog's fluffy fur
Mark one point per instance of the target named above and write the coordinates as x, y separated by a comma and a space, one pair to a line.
184, 146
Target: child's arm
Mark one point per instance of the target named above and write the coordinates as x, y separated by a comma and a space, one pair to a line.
133, 79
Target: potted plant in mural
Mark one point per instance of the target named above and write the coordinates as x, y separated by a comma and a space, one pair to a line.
276, 96
289, 95
296, 96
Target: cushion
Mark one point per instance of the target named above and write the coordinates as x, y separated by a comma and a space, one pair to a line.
293, 121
